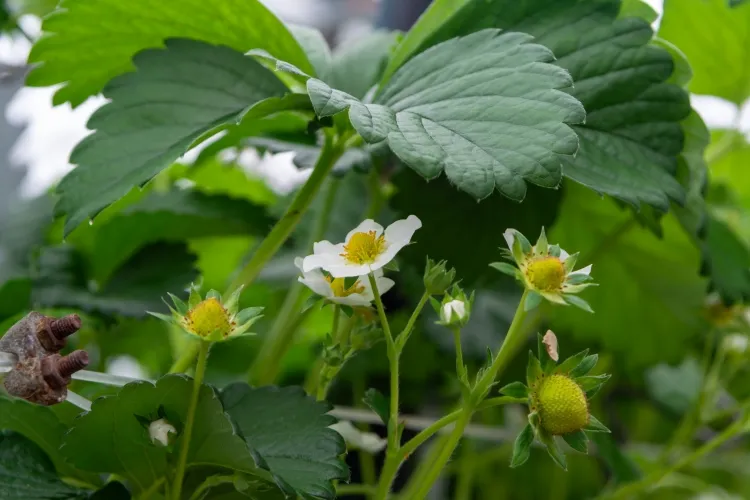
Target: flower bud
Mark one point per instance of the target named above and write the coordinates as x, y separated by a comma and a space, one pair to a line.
453, 312
159, 431
437, 278
455, 309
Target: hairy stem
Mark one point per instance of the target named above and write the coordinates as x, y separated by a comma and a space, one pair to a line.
200, 370
283, 229
513, 341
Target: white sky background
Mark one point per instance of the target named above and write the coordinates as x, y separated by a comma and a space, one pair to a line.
50, 133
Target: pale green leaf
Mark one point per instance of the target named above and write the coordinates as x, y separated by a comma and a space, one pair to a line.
483, 108
88, 42
714, 37
675, 387
357, 66
155, 114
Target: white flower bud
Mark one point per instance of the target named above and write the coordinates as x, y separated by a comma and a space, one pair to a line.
159, 431
457, 307
736, 343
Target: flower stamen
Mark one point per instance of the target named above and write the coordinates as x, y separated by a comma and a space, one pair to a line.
207, 317
338, 286
364, 248
546, 274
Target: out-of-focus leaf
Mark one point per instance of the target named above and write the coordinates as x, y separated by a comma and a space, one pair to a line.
647, 286
155, 114
358, 66
623, 468
675, 387
135, 288
728, 262
714, 37
67, 54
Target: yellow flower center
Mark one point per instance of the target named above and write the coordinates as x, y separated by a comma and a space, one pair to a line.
207, 317
364, 248
546, 274
338, 286
562, 405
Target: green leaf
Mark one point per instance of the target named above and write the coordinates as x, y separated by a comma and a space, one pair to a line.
505, 268
358, 66
177, 215
522, 447
307, 155
648, 286
533, 371
431, 110
638, 8
585, 366
66, 54
136, 287
728, 261
113, 490
176, 96
26, 472
42, 426
675, 387
692, 173
378, 403
300, 450
112, 420
515, 390
316, 48
721, 42
632, 135
578, 441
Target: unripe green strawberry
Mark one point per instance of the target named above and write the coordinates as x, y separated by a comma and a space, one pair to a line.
562, 405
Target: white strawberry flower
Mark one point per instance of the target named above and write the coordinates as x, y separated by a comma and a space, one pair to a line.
357, 294
366, 248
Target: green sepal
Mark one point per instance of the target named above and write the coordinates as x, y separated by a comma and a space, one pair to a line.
553, 449
195, 297
532, 300
541, 243
570, 263
592, 383
585, 366
578, 279
250, 313
575, 300
179, 304
391, 266
213, 294
163, 317
233, 302
515, 390
533, 370
506, 268
595, 425
522, 447
311, 301
436, 304
554, 250
578, 441
347, 310
572, 362
534, 421
521, 246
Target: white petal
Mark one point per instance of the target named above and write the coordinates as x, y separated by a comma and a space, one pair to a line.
342, 269
324, 260
509, 236
364, 227
563, 255
586, 270
553, 297
353, 300
317, 283
402, 230
384, 284
324, 246
298, 263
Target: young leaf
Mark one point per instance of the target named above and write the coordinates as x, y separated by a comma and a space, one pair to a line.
595, 425
300, 449
156, 113
65, 56
522, 447
578, 441
515, 390
585, 366
378, 403
433, 101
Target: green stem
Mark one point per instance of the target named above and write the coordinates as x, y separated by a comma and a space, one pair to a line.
209, 483
283, 229
186, 359
513, 341
200, 370
630, 489
460, 366
466, 473
149, 492
403, 337
354, 489
327, 372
